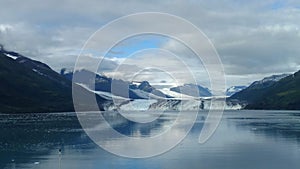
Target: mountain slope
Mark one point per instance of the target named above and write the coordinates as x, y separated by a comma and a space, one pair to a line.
281, 93
257, 89
31, 86
285, 94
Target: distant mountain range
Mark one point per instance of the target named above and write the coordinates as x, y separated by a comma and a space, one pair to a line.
274, 92
117, 87
126, 89
192, 90
31, 86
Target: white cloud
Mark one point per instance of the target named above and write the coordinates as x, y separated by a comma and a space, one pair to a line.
5, 27
158, 65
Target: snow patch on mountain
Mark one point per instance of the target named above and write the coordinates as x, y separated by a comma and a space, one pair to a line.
141, 93
273, 78
234, 89
11, 56
105, 95
38, 72
177, 95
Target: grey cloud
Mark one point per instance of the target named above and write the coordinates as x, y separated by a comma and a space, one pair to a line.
253, 39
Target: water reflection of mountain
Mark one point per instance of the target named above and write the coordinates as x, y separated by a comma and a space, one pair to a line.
26, 136
272, 124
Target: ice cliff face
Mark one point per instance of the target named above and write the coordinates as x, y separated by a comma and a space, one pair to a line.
178, 105
138, 104
192, 105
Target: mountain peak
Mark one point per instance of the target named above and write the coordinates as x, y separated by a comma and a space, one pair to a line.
145, 86
273, 78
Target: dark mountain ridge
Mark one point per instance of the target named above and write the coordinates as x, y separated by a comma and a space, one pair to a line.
281, 93
31, 86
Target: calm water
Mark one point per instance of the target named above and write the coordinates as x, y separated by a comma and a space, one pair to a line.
244, 139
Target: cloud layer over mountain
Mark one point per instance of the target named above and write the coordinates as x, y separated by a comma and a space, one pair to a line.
253, 39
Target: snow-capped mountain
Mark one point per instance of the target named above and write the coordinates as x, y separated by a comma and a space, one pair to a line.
37, 67
192, 90
274, 92
234, 89
273, 78
256, 89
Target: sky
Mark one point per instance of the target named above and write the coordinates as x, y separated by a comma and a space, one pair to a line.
254, 39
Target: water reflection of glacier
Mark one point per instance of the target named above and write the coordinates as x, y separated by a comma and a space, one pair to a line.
244, 139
